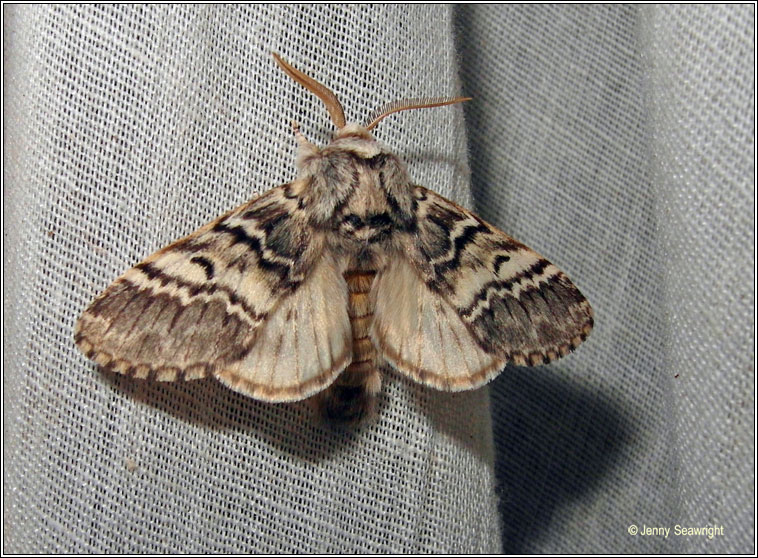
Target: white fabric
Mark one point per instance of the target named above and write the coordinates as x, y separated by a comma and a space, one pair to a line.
616, 141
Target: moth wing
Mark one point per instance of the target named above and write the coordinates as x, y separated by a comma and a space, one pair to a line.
422, 335
302, 347
467, 298
201, 306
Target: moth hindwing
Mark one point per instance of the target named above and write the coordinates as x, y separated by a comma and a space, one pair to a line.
306, 290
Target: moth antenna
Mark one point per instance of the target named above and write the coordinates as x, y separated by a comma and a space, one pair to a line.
408, 104
322, 92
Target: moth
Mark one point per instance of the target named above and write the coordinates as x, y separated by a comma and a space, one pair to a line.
309, 289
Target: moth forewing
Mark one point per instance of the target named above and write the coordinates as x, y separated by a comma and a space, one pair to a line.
307, 289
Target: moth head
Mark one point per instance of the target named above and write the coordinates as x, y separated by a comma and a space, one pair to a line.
334, 107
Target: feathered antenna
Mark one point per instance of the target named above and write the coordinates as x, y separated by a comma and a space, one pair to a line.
407, 104
334, 107
322, 92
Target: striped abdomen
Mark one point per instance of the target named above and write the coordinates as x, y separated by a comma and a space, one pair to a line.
351, 397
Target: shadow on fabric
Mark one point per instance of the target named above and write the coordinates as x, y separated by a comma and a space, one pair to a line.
293, 428
553, 443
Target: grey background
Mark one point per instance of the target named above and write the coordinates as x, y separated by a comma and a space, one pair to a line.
616, 141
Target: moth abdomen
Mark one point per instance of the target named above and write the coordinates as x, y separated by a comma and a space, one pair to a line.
351, 398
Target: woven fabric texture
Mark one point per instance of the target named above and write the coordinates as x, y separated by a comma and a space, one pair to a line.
616, 141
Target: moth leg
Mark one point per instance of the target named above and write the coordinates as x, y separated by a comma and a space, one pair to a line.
299, 137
